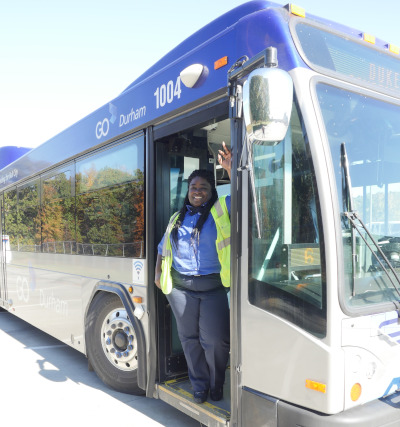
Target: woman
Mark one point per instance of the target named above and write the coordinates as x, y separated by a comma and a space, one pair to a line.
193, 271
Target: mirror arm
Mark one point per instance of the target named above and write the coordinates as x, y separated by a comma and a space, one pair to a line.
235, 100
271, 57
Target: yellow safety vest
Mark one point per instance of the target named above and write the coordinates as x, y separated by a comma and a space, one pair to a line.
223, 244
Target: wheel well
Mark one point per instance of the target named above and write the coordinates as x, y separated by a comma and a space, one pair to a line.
122, 293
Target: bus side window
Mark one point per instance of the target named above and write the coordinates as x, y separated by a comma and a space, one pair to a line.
10, 218
110, 202
58, 214
29, 217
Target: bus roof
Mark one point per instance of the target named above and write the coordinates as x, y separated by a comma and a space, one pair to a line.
204, 34
158, 93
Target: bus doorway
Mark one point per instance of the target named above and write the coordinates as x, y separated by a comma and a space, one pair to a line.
177, 156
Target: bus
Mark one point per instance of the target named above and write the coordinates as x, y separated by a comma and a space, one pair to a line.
311, 112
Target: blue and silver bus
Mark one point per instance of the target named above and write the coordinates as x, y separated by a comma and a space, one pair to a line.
311, 111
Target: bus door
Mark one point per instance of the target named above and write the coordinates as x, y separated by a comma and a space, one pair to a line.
281, 301
177, 155
4, 246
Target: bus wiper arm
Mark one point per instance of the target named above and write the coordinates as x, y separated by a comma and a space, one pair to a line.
353, 217
348, 206
346, 181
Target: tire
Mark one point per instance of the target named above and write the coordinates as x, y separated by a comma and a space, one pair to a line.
112, 346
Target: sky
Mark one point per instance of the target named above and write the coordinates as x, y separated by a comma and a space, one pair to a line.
61, 60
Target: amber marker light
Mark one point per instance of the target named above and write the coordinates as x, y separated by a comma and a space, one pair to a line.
369, 38
394, 49
130, 289
221, 62
297, 10
137, 300
314, 385
355, 392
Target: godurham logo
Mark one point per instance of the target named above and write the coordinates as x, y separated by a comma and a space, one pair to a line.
52, 303
125, 119
47, 300
103, 126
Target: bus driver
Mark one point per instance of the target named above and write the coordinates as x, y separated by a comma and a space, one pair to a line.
193, 271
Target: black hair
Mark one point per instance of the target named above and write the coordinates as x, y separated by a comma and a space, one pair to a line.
209, 177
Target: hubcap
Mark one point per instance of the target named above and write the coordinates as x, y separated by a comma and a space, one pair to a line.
119, 341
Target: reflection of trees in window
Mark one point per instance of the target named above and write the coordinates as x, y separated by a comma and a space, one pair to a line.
304, 216
11, 222
29, 218
110, 221
106, 219
110, 202
58, 215
259, 93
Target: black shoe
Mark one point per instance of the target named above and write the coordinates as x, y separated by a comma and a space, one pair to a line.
217, 394
200, 396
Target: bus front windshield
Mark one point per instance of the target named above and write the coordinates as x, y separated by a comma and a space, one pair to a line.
370, 131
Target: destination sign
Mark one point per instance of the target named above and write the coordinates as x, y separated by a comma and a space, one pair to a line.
353, 59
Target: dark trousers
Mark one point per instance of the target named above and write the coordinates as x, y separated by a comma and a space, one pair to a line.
202, 318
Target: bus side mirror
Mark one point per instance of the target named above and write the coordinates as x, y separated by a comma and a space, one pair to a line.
267, 105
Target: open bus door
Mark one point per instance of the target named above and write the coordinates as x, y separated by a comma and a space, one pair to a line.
278, 281
192, 143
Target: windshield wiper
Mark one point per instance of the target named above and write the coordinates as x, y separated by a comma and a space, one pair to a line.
348, 207
346, 181
357, 224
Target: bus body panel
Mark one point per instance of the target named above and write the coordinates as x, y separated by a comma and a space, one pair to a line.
372, 352
380, 412
288, 363
55, 297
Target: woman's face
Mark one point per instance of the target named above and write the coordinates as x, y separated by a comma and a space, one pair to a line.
199, 191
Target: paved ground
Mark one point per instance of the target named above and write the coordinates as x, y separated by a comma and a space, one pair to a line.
46, 383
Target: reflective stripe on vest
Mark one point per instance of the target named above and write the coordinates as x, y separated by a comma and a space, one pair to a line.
223, 244
166, 263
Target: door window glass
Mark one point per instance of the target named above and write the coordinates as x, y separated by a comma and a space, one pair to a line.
286, 272
181, 168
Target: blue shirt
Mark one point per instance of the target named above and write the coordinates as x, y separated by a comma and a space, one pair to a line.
194, 256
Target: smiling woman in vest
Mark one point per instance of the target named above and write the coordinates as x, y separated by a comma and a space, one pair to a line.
193, 271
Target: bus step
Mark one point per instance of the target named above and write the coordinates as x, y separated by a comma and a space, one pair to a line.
179, 394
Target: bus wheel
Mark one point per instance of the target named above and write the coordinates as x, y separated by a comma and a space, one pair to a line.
112, 345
